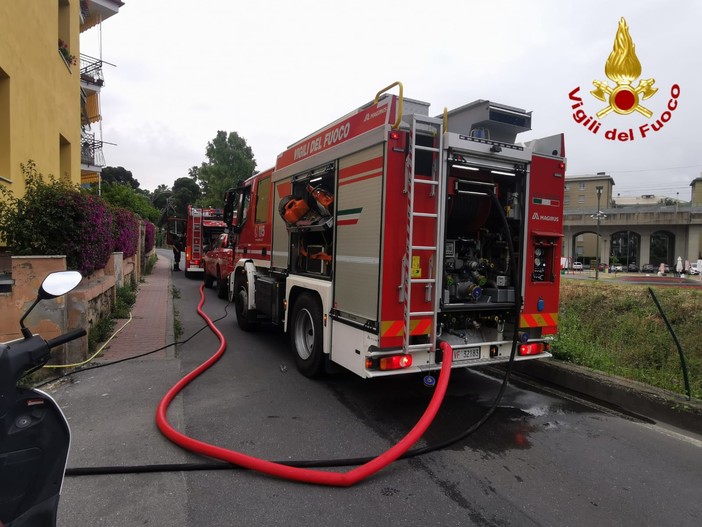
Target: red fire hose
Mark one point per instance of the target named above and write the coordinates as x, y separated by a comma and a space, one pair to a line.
305, 475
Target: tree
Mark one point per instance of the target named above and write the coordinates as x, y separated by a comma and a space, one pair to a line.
119, 175
667, 201
124, 196
185, 192
229, 161
159, 197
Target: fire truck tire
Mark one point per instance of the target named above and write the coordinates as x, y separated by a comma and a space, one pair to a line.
306, 335
209, 280
245, 319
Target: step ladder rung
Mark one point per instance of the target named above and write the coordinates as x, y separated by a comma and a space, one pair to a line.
422, 281
418, 347
425, 181
421, 314
426, 148
425, 214
423, 248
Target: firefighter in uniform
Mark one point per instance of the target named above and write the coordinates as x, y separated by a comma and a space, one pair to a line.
177, 249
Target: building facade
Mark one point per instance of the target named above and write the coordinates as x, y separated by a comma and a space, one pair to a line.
44, 93
646, 230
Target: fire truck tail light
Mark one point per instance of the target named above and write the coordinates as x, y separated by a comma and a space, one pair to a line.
533, 348
394, 135
394, 362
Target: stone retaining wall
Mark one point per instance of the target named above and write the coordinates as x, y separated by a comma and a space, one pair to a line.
81, 308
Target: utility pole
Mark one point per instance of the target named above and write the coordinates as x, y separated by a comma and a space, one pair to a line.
599, 215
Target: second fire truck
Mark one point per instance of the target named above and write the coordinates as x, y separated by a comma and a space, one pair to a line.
203, 226
388, 231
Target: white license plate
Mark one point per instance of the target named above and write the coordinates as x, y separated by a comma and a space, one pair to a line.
466, 354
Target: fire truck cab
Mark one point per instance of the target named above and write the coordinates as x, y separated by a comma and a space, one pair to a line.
389, 231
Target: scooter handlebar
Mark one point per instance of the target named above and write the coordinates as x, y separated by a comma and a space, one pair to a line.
66, 337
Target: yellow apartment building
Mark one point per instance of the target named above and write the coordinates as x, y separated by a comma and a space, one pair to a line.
47, 101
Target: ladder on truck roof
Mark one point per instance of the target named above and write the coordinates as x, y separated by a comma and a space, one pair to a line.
196, 249
435, 186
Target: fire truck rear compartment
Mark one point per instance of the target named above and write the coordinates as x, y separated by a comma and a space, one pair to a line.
478, 293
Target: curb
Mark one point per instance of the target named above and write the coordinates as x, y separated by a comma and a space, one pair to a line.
634, 397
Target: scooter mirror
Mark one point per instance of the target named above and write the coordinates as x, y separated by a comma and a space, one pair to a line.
55, 284
59, 283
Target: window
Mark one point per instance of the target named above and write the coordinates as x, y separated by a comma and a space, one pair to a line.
64, 158
581, 186
567, 186
64, 23
263, 198
581, 199
567, 200
245, 203
4, 127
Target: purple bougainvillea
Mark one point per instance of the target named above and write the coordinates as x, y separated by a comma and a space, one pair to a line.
55, 217
90, 244
149, 235
125, 232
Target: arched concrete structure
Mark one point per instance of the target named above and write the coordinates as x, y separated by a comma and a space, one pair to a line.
684, 225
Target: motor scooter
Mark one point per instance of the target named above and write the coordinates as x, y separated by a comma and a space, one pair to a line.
34, 433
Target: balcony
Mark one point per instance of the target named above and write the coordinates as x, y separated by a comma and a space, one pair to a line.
91, 73
91, 157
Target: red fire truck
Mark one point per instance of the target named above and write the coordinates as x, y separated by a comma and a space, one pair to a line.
389, 231
203, 227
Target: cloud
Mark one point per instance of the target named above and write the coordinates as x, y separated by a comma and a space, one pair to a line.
276, 71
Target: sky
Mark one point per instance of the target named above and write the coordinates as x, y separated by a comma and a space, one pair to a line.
275, 71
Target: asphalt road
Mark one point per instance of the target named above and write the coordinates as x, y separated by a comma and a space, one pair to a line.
540, 460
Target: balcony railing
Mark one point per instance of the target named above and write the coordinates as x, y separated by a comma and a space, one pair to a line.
91, 70
84, 9
91, 151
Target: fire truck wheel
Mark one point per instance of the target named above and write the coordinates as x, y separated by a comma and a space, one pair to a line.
306, 335
209, 280
241, 301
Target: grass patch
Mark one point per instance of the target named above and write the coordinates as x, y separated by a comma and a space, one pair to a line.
124, 301
125, 297
100, 332
150, 264
617, 329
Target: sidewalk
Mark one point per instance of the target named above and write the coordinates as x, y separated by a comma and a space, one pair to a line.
151, 326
